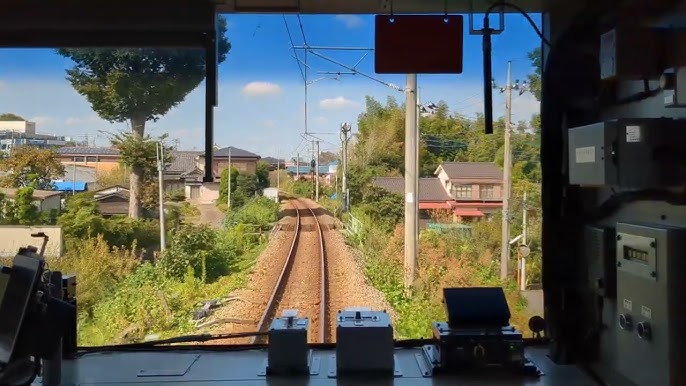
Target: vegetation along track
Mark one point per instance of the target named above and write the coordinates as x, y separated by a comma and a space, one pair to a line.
300, 284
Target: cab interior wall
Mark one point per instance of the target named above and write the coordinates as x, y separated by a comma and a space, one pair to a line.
571, 83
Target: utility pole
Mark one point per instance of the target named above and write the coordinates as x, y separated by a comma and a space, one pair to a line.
228, 183
160, 177
523, 262
316, 174
410, 179
278, 172
73, 178
507, 180
345, 129
297, 167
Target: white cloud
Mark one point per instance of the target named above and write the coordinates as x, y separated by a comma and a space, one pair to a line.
82, 120
321, 119
337, 103
350, 21
261, 88
41, 120
524, 106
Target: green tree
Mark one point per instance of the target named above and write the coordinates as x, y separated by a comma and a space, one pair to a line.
81, 218
383, 207
138, 85
535, 78
326, 157
11, 117
22, 211
224, 184
30, 166
140, 153
262, 173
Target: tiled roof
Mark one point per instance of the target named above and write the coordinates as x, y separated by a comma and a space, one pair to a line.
183, 161
76, 150
472, 170
430, 189
235, 152
39, 194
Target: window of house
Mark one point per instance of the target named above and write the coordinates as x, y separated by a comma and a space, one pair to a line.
91, 159
486, 191
79, 159
463, 191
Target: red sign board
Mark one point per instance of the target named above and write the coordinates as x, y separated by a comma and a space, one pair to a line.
418, 44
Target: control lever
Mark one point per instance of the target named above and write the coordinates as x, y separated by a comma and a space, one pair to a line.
45, 242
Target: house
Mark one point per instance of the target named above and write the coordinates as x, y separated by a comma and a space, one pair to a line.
432, 195
45, 200
112, 201
327, 172
100, 159
183, 170
469, 190
475, 187
243, 160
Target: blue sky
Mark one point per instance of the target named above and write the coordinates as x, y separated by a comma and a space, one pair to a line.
261, 96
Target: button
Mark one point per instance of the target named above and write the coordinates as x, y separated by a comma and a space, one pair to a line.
643, 330
625, 322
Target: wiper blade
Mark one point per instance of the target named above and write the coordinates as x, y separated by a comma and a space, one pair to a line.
178, 339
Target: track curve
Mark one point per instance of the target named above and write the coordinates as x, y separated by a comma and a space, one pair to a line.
294, 287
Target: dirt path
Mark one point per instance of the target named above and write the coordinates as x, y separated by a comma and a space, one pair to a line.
347, 286
209, 215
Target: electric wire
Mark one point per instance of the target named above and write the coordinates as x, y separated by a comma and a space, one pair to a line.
523, 13
290, 38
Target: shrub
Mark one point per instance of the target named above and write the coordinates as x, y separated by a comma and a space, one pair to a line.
98, 268
195, 247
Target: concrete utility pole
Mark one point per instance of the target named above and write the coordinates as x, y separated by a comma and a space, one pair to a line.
73, 178
345, 130
507, 180
228, 186
410, 179
278, 172
316, 174
160, 177
524, 225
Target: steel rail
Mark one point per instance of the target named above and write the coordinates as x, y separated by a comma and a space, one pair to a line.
281, 282
280, 286
322, 284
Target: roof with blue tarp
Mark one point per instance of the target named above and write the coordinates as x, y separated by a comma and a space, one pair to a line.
64, 186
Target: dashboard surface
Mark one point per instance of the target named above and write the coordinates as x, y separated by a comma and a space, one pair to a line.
245, 368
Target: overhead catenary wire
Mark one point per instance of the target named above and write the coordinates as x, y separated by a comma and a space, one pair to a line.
290, 38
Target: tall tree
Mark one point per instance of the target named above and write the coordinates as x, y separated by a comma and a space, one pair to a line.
535, 79
138, 85
31, 166
262, 173
11, 117
140, 153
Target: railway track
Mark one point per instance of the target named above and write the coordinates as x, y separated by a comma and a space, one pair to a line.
298, 271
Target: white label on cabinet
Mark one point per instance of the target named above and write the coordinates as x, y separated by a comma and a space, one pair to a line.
628, 305
646, 312
633, 133
585, 154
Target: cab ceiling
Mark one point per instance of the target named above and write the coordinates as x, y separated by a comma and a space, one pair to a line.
182, 23
367, 6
